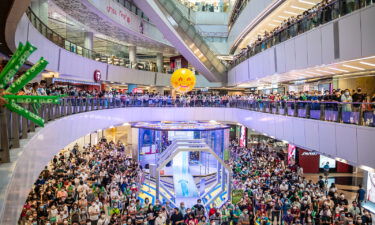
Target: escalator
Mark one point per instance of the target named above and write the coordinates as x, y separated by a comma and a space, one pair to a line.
184, 37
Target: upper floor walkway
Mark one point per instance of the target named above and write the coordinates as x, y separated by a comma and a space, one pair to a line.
77, 63
327, 37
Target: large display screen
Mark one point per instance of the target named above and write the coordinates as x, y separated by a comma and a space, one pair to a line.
371, 187
323, 160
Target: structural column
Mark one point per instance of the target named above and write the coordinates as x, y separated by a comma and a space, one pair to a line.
40, 8
133, 56
159, 62
88, 43
160, 90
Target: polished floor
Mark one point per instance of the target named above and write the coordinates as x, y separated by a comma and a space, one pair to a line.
346, 183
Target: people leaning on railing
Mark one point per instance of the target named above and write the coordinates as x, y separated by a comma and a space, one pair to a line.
321, 13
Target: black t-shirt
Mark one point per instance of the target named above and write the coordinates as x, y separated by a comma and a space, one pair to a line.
342, 201
139, 218
176, 217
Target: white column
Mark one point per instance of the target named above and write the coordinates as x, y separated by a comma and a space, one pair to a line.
88, 40
159, 62
133, 56
88, 44
40, 8
160, 90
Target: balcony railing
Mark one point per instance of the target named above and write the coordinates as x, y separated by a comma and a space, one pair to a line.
307, 22
13, 127
79, 50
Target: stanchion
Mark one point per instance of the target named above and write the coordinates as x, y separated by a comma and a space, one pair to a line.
15, 130
4, 151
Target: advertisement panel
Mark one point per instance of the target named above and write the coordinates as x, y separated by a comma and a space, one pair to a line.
291, 154
370, 187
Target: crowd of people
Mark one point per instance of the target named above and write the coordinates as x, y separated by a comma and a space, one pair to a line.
278, 193
336, 95
93, 185
207, 6
99, 185
321, 13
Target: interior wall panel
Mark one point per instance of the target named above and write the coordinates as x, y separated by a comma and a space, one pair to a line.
328, 52
350, 37
280, 57
290, 55
368, 31
301, 49
314, 47
346, 142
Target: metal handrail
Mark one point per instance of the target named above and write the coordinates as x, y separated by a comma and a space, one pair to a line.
13, 127
63, 42
304, 24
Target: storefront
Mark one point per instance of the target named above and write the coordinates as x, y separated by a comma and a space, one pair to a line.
312, 162
79, 85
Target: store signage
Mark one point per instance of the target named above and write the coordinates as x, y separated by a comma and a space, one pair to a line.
121, 14
118, 13
97, 75
309, 153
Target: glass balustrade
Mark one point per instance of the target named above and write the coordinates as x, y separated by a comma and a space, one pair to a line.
306, 22
79, 50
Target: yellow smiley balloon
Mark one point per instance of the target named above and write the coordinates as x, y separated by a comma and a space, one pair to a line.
183, 80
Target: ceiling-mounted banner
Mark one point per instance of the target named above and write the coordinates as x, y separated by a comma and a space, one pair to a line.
9, 97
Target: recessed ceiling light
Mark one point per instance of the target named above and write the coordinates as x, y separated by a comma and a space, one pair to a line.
278, 21
307, 2
291, 13
314, 73
353, 67
296, 7
271, 24
333, 68
366, 63
325, 71
284, 17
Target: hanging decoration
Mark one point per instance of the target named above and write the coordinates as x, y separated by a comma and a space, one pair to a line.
10, 88
183, 80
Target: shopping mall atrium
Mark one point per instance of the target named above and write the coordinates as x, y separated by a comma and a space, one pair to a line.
187, 112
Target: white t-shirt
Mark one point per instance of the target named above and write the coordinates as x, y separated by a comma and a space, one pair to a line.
94, 212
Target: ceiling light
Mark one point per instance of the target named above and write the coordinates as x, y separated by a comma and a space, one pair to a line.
325, 71
368, 64
278, 21
291, 13
296, 7
333, 68
284, 17
314, 73
353, 67
271, 24
371, 57
307, 2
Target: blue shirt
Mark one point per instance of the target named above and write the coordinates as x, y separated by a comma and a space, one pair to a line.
361, 194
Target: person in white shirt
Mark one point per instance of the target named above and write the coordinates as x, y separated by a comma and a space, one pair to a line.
94, 212
161, 219
103, 220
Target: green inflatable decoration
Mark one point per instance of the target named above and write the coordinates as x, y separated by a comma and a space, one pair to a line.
9, 97
18, 59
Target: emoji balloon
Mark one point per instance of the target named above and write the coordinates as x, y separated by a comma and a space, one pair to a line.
183, 80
